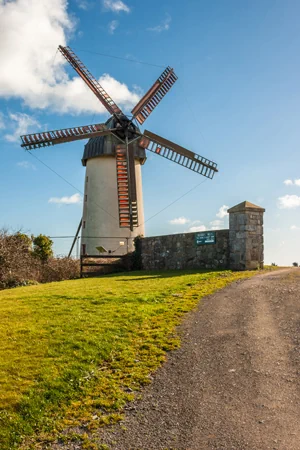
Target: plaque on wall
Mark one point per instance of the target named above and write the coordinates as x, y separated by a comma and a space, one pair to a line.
205, 237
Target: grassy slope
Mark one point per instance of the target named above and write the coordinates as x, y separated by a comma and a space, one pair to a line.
74, 352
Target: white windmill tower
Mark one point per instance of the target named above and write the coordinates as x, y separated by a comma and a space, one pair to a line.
113, 212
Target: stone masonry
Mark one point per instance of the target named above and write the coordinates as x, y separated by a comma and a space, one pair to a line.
239, 248
246, 240
179, 251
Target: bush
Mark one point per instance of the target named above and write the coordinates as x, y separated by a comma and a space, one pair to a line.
295, 264
58, 269
16, 263
137, 254
13, 283
27, 260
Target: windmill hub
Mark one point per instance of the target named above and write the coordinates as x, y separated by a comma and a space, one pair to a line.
124, 127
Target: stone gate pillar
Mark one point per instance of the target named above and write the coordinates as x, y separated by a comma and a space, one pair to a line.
246, 239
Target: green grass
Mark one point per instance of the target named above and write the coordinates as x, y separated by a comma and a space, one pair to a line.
74, 353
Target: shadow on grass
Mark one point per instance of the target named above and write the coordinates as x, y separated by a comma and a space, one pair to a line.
148, 275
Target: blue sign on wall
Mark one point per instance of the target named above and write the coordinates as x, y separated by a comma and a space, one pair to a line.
205, 237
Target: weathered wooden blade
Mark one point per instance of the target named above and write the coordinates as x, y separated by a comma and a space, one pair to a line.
126, 184
91, 81
155, 94
178, 154
37, 140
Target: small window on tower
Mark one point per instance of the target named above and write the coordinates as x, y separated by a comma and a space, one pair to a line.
87, 178
84, 224
85, 198
83, 249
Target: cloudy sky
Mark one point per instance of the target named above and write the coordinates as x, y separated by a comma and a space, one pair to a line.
236, 102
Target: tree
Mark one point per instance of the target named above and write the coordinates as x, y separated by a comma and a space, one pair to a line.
23, 241
42, 247
295, 264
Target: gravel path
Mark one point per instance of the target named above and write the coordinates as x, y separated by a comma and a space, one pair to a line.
234, 383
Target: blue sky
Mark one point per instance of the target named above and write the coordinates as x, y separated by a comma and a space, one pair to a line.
236, 102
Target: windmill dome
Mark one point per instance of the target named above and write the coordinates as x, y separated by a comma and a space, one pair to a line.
105, 145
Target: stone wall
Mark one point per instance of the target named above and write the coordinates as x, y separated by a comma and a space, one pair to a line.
180, 251
239, 248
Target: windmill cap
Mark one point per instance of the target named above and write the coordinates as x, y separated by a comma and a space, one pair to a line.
105, 146
246, 206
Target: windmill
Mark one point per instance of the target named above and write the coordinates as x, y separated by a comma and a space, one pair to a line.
113, 204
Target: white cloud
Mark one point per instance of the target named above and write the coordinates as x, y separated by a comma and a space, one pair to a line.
288, 202
83, 4
217, 224
194, 229
222, 212
116, 6
26, 165
197, 225
163, 26
75, 97
72, 200
31, 31
291, 182
112, 26
294, 227
179, 221
22, 124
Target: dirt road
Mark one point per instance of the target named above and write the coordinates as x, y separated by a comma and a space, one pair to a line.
234, 383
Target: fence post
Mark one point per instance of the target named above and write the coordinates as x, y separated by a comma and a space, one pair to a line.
80, 266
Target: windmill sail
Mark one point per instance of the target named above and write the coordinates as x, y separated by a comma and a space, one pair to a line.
127, 197
176, 153
155, 94
37, 140
91, 81
124, 136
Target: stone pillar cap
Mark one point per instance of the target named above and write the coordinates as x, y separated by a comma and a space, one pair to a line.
246, 206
